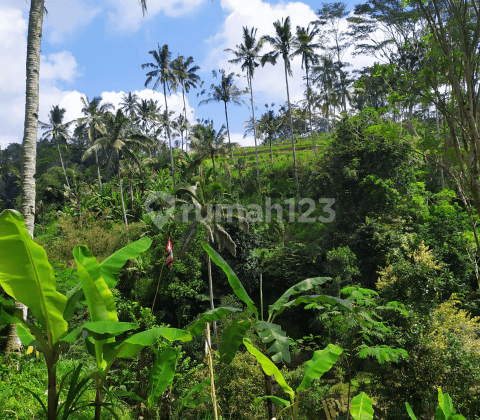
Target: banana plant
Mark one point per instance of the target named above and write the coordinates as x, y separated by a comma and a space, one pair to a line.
27, 276
321, 362
271, 335
106, 339
273, 338
444, 411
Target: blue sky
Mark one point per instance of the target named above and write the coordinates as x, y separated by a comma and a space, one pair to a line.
96, 47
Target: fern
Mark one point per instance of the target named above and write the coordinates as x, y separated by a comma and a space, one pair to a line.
382, 353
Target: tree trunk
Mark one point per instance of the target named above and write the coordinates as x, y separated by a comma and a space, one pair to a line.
254, 125
98, 401
100, 187
214, 173
271, 151
437, 122
121, 198
210, 369
228, 131
310, 110
169, 136
52, 391
61, 162
293, 140
210, 286
31, 113
130, 186
13, 342
29, 146
185, 113
269, 391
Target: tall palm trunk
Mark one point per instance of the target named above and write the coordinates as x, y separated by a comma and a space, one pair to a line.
271, 150
253, 122
29, 138
100, 187
228, 131
121, 198
31, 112
310, 109
185, 114
210, 284
213, 163
169, 136
61, 162
293, 140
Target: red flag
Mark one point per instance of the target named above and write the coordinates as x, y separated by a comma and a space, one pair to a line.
169, 253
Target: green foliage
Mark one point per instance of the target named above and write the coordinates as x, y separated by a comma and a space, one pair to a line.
362, 407
444, 411
27, 276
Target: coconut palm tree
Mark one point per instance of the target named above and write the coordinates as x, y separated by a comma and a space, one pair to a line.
164, 74
282, 45
325, 78
182, 126
57, 131
120, 141
129, 104
247, 54
225, 92
187, 78
164, 122
305, 47
268, 125
93, 123
206, 141
146, 114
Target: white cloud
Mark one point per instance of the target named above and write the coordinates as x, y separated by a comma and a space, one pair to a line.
174, 102
13, 46
243, 141
6, 140
127, 16
59, 66
66, 18
269, 82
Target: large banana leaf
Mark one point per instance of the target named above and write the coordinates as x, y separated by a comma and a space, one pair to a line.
362, 407
162, 373
272, 333
188, 401
212, 315
235, 283
102, 330
410, 411
99, 298
269, 368
321, 362
278, 307
27, 276
132, 345
110, 268
445, 409
342, 304
232, 338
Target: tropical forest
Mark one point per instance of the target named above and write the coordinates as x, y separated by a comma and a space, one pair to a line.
153, 267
